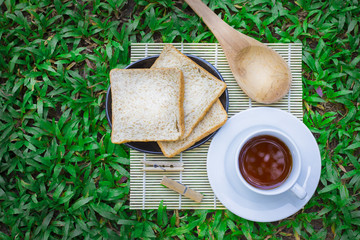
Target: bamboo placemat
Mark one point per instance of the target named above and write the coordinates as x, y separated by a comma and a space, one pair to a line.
145, 189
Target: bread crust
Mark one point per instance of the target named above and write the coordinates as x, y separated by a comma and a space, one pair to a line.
181, 105
168, 47
195, 140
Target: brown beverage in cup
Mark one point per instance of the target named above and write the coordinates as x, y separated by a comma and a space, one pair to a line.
265, 162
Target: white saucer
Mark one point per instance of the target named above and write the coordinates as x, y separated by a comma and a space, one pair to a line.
232, 193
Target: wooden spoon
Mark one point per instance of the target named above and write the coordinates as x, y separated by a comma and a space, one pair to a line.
260, 72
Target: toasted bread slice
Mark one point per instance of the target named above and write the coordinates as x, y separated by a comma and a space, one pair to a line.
202, 89
213, 120
147, 105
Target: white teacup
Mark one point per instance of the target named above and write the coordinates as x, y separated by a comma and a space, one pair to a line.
290, 183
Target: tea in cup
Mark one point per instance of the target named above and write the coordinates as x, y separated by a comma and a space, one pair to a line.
269, 163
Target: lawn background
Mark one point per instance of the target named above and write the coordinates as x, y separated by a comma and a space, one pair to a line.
62, 178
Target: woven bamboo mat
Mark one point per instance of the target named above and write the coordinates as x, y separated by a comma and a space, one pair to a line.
146, 192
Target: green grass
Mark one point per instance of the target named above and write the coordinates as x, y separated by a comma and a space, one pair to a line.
62, 178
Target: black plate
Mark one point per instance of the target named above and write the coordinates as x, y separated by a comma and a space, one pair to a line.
153, 147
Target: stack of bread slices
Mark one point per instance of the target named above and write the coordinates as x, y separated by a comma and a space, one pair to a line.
174, 103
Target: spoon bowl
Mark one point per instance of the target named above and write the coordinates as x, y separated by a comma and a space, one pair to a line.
259, 71
259, 77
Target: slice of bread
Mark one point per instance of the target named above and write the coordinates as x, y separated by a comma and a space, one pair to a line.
213, 120
147, 105
201, 88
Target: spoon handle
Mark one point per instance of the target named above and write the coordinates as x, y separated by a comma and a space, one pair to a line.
216, 24
222, 31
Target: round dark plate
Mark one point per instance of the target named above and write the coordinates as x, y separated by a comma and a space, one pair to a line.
153, 147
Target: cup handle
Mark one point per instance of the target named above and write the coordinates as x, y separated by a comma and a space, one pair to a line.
299, 191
